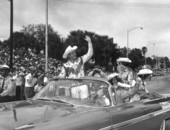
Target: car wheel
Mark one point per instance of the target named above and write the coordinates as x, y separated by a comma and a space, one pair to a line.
165, 125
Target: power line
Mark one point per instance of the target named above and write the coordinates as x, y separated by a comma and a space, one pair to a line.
148, 5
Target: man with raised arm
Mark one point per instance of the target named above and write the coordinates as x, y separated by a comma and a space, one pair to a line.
74, 67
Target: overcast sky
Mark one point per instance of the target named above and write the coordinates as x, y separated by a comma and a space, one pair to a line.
104, 17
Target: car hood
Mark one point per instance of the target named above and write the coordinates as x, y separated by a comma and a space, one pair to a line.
14, 115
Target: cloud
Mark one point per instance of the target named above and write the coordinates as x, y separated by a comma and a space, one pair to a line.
113, 20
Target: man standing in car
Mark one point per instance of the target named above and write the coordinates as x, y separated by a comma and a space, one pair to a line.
74, 67
8, 86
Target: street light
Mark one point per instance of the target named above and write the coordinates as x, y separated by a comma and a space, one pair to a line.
11, 34
46, 38
128, 31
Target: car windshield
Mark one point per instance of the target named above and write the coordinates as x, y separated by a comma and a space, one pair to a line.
77, 92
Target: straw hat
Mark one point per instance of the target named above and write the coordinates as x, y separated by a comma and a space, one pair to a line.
68, 50
124, 59
144, 72
4, 66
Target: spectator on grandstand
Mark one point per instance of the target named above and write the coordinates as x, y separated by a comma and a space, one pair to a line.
40, 82
30, 82
24, 58
20, 86
46, 80
74, 67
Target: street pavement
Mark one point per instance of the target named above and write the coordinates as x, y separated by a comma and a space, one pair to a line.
159, 84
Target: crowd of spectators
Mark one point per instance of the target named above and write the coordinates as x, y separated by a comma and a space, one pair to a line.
26, 60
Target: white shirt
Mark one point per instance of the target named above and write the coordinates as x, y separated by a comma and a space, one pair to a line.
28, 80
76, 69
46, 80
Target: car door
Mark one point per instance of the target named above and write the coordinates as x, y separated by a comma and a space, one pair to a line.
92, 119
132, 116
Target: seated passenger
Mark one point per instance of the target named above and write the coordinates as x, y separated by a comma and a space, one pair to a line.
127, 84
97, 73
125, 73
100, 96
143, 93
113, 80
122, 92
102, 99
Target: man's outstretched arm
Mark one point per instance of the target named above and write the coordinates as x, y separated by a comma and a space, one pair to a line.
89, 53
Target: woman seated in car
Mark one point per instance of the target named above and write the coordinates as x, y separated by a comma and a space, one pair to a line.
120, 93
143, 92
100, 97
127, 86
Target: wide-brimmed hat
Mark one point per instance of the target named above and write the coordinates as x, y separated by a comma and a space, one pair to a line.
111, 76
68, 50
124, 59
145, 72
4, 66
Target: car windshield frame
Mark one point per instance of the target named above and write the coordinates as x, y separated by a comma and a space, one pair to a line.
50, 92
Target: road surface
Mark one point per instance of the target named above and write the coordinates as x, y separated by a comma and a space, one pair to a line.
159, 84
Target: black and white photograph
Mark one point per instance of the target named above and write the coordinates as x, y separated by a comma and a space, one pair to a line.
84, 65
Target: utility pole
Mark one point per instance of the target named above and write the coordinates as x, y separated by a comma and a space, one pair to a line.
11, 34
46, 39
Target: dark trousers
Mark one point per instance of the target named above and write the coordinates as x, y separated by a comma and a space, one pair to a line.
29, 92
7, 98
18, 93
22, 96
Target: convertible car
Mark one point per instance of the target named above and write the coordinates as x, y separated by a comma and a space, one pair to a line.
84, 104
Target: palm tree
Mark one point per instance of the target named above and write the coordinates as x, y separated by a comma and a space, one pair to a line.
144, 50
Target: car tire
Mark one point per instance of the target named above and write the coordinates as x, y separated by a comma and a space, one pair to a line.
165, 125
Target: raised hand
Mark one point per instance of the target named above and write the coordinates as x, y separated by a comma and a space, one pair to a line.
87, 38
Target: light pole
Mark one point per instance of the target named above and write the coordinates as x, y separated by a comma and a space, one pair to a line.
128, 31
46, 39
11, 34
